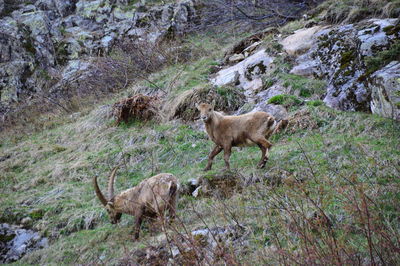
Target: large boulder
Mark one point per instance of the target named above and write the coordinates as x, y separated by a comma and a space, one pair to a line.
246, 74
301, 41
338, 54
385, 91
39, 36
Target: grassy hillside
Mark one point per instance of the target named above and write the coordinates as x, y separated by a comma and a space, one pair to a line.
329, 193
334, 161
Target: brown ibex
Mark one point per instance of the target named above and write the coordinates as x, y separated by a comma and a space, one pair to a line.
242, 130
150, 198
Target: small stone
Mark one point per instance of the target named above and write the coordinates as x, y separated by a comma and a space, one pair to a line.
236, 58
26, 221
197, 192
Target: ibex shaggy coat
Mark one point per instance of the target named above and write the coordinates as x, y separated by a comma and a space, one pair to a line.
242, 130
151, 198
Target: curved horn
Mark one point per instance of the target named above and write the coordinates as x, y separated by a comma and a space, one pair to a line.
111, 182
98, 192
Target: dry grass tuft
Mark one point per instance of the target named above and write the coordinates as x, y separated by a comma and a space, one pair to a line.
138, 107
184, 107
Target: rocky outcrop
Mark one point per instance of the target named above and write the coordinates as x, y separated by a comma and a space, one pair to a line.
15, 242
338, 54
245, 74
385, 91
39, 36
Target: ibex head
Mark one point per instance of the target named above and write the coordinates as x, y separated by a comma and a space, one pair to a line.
115, 216
206, 111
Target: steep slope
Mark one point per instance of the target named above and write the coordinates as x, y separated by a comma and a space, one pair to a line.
329, 193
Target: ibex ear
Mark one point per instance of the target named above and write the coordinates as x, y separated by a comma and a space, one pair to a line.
213, 104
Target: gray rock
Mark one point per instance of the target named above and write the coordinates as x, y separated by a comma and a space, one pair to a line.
236, 58
26, 221
385, 91
278, 111
1, 6
16, 242
246, 74
301, 41
43, 34
337, 54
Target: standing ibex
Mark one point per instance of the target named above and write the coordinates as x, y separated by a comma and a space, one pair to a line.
151, 198
242, 130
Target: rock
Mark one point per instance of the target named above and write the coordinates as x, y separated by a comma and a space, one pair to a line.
42, 35
248, 44
16, 242
197, 192
221, 185
305, 67
338, 54
236, 58
26, 221
1, 6
246, 74
300, 41
385, 91
277, 111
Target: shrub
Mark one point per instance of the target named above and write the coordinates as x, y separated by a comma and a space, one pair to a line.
139, 107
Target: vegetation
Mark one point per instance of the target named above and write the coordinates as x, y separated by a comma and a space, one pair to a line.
330, 192
349, 11
383, 58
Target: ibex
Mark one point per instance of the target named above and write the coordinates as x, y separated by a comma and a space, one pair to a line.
242, 130
151, 198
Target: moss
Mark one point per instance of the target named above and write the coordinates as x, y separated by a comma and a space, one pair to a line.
315, 103
382, 58
346, 58
286, 100
392, 29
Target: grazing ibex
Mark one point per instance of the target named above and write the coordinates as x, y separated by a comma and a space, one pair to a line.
151, 198
242, 130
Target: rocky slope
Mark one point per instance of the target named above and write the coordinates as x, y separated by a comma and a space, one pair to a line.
329, 193
337, 54
38, 38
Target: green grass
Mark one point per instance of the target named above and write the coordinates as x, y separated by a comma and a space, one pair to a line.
382, 58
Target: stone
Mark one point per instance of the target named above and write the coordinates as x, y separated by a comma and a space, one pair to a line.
305, 67
16, 242
337, 54
236, 58
385, 91
1, 6
26, 221
277, 111
197, 192
245, 74
300, 41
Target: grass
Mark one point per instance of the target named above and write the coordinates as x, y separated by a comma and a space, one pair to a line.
382, 58
328, 170
58, 181
350, 11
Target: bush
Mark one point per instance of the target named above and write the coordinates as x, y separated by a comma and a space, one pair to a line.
138, 107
